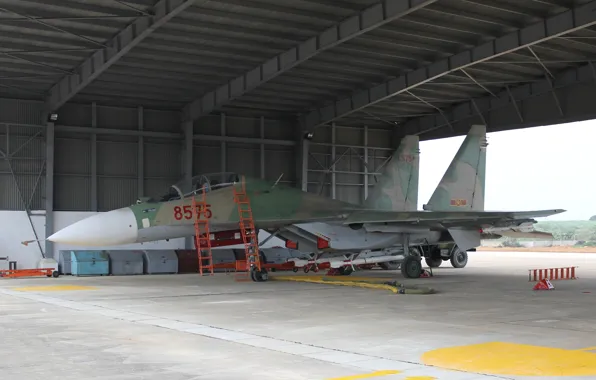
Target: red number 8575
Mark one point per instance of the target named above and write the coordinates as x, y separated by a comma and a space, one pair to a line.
186, 212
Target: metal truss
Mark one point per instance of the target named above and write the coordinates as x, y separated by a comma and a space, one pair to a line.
9, 155
508, 109
372, 17
552, 27
112, 51
327, 170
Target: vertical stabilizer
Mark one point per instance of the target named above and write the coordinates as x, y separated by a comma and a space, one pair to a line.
397, 188
463, 184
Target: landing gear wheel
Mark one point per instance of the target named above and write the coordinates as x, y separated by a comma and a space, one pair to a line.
411, 267
433, 262
345, 271
390, 265
259, 276
459, 259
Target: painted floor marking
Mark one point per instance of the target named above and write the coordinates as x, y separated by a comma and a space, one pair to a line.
368, 375
502, 358
54, 288
333, 356
587, 349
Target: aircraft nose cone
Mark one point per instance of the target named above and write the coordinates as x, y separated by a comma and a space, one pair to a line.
109, 228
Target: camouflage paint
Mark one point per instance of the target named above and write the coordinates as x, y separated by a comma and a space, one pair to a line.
270, 205
463, 184
397, 188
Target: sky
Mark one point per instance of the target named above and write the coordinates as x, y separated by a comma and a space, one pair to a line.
527, 169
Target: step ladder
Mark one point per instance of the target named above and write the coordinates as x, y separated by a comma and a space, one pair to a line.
202, 236
248, 233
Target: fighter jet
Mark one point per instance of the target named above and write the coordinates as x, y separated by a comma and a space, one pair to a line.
276, 205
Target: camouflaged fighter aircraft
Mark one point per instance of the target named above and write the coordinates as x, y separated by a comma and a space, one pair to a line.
461, 188
275, 205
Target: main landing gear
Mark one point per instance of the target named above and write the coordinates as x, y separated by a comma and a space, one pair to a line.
411, 266
436, 254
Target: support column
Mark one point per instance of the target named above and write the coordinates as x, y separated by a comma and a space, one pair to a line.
141, 155
222, 149
187, 126
262, 148
94, 158
304, 176
49, 246
365, 162
333, 180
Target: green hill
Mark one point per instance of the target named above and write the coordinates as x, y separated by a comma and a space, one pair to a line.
583, 230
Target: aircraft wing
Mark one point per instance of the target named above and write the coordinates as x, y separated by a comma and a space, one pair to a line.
451, 218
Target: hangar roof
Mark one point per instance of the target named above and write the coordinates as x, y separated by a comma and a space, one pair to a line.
351, 61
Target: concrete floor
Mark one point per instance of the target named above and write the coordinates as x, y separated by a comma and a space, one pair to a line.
186, 327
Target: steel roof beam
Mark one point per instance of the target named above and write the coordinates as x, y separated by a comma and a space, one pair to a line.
372, 17
170, 135
69, 85
545, 30
508, 108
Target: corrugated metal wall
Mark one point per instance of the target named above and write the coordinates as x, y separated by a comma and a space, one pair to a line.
21, 179
245, 157
117, 159
117, 162
163, 165
21, 182
349, 154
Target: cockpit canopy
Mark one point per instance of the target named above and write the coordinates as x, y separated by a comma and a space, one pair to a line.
195, 185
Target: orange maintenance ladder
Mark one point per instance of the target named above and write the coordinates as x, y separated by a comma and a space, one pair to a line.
252, 264
202, 235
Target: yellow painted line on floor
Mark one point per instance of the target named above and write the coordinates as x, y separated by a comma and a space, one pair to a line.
368, 375
54, 288
588, 349
499, 358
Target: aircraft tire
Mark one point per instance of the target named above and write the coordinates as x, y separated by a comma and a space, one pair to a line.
259, 276
433, 262
411, 267
346, 271
459, 259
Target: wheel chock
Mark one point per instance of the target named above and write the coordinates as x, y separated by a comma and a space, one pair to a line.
544, 284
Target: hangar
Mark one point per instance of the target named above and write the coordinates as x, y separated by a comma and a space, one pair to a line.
106, 101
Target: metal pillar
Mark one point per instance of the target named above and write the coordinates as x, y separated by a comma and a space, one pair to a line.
141, 155
304, 176
262, 147
333, 179
223, 145
365, 162
49, 246
94, 158
187, 126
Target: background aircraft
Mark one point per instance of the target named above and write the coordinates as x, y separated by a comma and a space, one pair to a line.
275, 205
